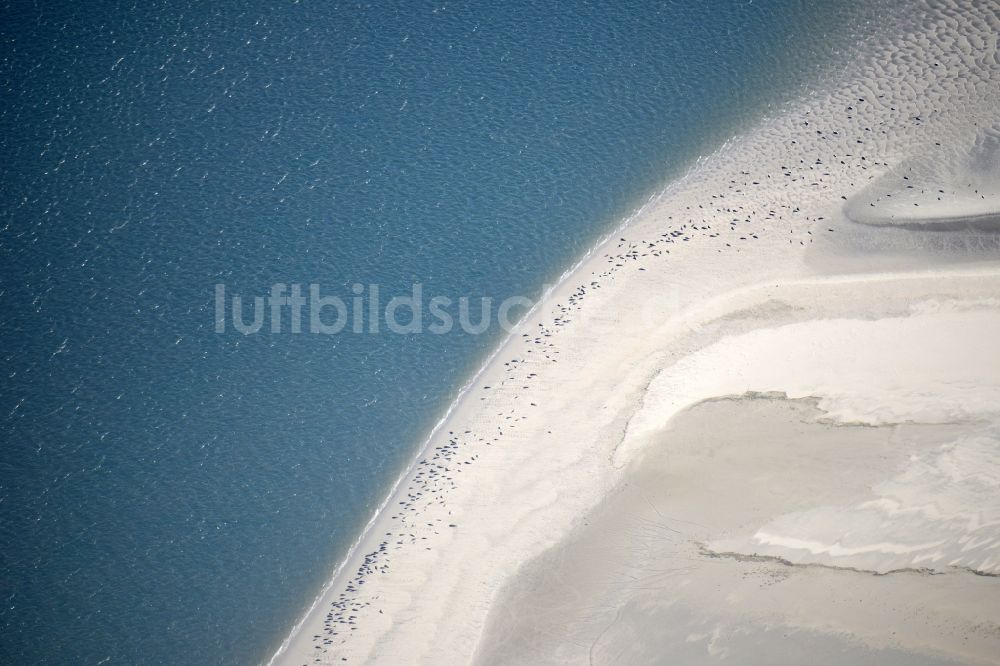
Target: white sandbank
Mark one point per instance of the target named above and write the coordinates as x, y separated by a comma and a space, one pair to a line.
753, 272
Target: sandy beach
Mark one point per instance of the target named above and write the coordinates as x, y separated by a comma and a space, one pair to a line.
760, 420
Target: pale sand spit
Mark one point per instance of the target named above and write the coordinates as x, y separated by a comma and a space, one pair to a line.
842, 252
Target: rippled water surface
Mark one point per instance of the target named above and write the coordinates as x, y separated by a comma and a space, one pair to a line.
170, 494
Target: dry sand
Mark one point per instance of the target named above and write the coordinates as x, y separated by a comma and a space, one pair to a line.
783, 262
857, 527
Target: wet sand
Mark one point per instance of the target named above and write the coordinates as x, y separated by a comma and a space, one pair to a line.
644, 578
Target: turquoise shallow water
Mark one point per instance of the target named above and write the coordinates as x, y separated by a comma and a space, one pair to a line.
174, 495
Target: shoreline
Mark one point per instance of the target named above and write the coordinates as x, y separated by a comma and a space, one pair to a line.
559, 396
461, 395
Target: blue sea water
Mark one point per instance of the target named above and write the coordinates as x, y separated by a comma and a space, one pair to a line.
170, 494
